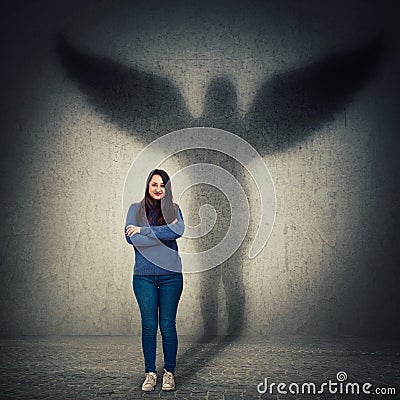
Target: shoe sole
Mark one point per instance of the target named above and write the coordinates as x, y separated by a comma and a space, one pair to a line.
168, 389
148, 390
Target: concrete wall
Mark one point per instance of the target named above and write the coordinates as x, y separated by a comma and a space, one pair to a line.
331, 263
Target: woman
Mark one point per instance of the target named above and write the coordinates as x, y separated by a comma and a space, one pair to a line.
152, 227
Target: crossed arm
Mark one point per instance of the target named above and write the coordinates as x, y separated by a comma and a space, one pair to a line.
151, 236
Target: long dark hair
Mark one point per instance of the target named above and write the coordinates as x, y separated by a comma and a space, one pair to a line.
164, 210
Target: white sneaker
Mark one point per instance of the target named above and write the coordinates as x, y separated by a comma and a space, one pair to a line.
168, 382
150, 382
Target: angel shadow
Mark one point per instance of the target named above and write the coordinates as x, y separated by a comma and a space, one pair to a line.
287, 109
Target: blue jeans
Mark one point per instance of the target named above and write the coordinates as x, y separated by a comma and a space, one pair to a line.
158, 297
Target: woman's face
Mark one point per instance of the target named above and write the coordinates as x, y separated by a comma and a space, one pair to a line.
156, 187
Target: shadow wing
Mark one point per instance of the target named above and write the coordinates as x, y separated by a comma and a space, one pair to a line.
291, 106
139, 102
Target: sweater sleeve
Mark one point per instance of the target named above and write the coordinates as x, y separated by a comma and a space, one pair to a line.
138, 239
166, 232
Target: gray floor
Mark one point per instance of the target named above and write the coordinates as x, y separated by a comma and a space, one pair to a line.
86, 367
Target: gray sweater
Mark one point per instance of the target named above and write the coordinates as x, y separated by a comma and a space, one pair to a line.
155, 247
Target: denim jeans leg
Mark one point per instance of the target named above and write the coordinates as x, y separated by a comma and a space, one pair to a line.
146, 293
170, 289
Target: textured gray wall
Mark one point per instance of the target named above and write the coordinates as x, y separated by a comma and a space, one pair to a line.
331, 263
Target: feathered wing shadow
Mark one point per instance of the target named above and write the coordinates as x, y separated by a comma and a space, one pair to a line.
135, 100
291, 106
288, 108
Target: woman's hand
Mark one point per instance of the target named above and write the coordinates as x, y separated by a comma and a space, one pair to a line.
131, 230
174, 221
